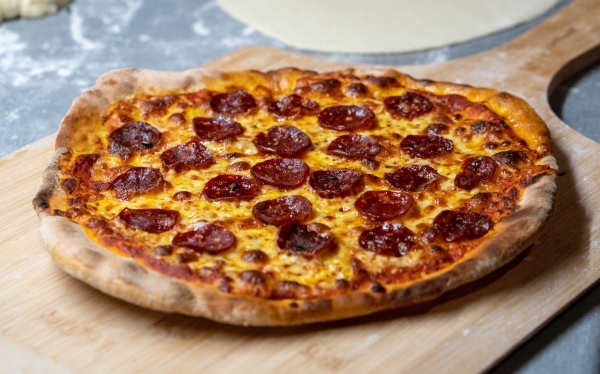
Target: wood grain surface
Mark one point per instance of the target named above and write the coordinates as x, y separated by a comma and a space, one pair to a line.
50, 322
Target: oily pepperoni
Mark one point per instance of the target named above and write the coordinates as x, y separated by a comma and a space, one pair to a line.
475, 170
149, 220
356, 90
135, 181
293, 106
383, 205
281, 172
236, 102
412, 178
426, 146
82, 167
327, 86
305, 240
231, 187
346, 117
335, 182
354, 146
217, 128
210, 238
284, 141
408, 105
190, 155
383, 82
283, 209
456, 226
390, 239
133, 136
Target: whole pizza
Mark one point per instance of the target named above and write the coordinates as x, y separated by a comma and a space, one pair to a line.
290, 196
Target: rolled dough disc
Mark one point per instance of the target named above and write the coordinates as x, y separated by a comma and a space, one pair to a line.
381, 26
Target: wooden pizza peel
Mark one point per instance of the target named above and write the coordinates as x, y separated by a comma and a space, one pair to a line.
51, 322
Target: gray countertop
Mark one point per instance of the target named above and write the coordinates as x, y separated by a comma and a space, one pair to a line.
45, 63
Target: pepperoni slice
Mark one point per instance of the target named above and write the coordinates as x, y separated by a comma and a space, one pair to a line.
426, 146
408, 105
236, 102
217, 128
390, 239
281, 172
82, 167
190, 155
356, 90
475, 170
456, 226
293, 106
231, 187
335, 182
346, 117
284, 141
283, 209
383, 205
305, 240
135, 181
354, 146
412, 177
327, 86
133, 136
210, 238
149, 220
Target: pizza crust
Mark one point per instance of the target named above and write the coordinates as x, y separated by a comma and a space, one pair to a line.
129, 280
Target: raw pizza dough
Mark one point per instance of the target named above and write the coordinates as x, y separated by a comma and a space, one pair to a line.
29, 8
381, 26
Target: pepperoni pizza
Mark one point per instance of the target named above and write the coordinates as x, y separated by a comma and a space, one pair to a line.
290, 197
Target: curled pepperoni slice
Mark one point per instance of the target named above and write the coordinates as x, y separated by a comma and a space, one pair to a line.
190, 155
455, 226
281, 172
475, 170
346, 117
356, 90
335, 182
133, 136
236, 102
327, 86
408, 105
149, 220
412, 177
283, 209
305, 240
382, 205
293, 106
284, 141
426, 146
210, 238
135, 181
231, 187
217, 128
354, 146
390, 239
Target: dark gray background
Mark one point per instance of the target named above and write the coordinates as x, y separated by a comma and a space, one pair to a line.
45, 63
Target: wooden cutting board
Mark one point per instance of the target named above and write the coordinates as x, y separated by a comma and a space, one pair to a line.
50, 322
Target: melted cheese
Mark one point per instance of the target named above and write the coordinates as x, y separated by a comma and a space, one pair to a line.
339, 214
